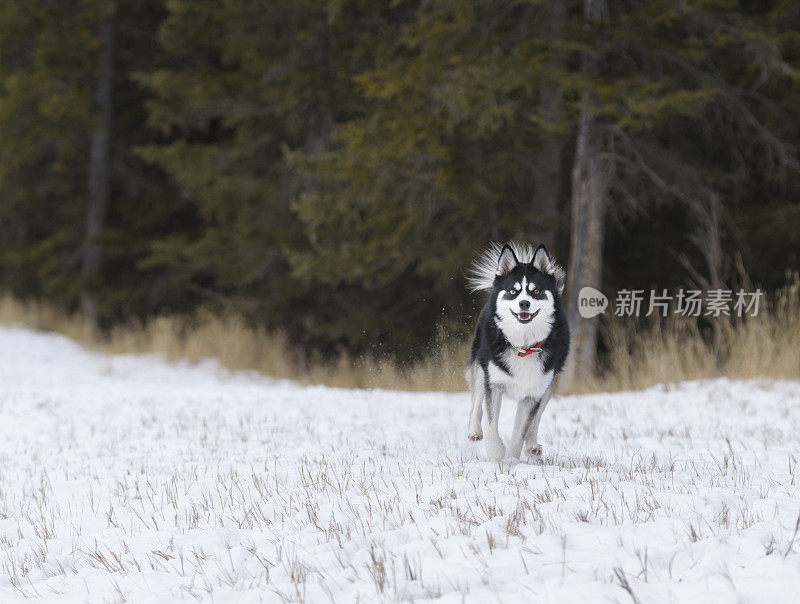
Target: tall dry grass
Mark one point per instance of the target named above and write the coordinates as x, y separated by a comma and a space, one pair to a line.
676, 349
638, 355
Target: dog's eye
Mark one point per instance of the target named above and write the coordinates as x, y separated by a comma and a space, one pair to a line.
512, 292
537, 292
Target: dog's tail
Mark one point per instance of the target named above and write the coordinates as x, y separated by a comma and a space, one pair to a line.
481, 273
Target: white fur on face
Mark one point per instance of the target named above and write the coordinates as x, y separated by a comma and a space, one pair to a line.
519, 334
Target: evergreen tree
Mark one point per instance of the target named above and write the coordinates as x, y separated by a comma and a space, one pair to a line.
249, 84
442, 159
49, 69
46, 69
329, 168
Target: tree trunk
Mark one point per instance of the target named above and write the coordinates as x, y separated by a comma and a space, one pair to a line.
99, 167
547, 184
547, 162
590, 176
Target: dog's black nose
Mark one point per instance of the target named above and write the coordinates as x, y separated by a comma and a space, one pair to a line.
524, 304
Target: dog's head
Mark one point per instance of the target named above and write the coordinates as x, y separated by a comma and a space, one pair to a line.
526, 287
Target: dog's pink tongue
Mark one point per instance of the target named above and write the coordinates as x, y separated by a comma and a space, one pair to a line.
524, 315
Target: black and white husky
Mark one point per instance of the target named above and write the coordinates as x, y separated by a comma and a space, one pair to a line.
520, 345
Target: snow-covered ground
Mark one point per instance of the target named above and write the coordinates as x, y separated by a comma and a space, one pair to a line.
132, 479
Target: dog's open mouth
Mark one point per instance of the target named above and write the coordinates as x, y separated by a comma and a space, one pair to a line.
525, 317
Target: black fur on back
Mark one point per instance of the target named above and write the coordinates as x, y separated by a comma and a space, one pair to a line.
489, 343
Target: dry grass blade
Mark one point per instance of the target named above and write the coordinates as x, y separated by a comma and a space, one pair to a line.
625, 584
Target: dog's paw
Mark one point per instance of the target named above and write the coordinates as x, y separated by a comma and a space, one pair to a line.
534, 451
475, 435
495, 449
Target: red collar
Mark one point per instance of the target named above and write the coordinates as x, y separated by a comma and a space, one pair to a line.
523, 352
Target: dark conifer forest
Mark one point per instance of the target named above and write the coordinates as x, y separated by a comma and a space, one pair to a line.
329, 168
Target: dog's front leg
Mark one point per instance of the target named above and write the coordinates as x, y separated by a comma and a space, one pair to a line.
527, 410
493, 398
476, 413
532, 446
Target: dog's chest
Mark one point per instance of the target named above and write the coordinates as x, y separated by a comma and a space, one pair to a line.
527, 376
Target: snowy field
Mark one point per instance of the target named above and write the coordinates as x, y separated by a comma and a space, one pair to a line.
132, 479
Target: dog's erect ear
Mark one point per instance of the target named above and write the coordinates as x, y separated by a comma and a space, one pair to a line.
507, 261
543, 262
